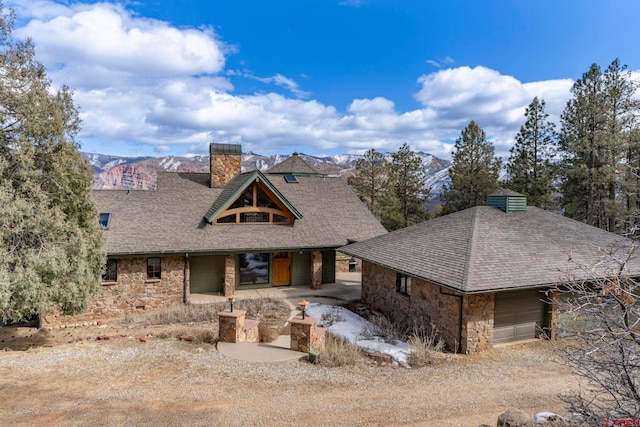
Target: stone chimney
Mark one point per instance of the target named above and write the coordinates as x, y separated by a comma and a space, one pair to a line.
225, 161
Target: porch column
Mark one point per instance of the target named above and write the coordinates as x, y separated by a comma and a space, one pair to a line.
316, 270
229, 275
187, 280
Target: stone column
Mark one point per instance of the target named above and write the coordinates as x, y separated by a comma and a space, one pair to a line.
229, 275
477, 323
316, 270
187, 280
231, 326
303, 334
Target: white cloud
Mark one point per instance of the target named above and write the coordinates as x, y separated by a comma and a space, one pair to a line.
495, 101
107, 36
352, 3
447, 60
148, 83
278, 80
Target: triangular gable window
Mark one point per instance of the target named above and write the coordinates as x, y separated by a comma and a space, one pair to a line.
256, 204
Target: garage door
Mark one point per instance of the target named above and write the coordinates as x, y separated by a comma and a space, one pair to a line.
518, 315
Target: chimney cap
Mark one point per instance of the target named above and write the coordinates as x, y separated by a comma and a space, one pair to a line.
215, 148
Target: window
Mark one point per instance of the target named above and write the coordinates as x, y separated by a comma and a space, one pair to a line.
103, 219
403, 284
153, 268
111, 271
291, 179
254, 217
254, 268
256, 204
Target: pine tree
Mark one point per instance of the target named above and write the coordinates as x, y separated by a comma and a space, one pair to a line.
370, 179
474, 171
51, 246
530, 167
403, 204
594, 140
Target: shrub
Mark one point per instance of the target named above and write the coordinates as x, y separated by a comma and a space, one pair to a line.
337, 352
426, 347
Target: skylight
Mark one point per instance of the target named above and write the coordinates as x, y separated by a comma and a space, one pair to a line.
291, 179
103, 219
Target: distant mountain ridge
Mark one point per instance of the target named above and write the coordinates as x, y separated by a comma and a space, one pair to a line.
139, 173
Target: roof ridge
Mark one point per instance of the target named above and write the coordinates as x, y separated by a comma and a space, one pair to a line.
466, 275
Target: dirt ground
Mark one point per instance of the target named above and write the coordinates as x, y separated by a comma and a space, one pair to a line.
69, 377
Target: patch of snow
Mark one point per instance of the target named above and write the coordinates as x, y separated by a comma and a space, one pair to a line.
358, 331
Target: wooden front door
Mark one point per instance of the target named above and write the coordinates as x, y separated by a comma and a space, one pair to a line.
281, 269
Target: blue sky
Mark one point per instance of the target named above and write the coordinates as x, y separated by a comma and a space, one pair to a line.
166, 77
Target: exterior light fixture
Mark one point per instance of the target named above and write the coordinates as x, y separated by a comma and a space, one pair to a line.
304, 305
232, 299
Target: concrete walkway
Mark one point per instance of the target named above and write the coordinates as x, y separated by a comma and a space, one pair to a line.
346, 288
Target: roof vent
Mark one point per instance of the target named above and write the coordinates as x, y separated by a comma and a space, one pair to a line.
508, 201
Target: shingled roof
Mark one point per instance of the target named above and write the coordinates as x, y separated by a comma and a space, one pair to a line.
483, 249
294, 165
170, 219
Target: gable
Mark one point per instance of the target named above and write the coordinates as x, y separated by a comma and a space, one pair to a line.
252, 198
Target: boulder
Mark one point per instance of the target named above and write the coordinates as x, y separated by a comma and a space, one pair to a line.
515, 418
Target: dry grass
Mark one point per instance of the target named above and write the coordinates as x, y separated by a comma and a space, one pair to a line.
426, 348
337, 353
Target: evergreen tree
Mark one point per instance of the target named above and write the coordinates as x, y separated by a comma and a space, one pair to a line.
370, 179
403, 204
530, 165
595, 138
51, 246
474, 171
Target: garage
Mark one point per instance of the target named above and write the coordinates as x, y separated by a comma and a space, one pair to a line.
518, 315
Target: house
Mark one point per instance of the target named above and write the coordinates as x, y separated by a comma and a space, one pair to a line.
217, 232
479, 275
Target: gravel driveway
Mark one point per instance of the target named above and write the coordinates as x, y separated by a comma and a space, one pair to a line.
170, 382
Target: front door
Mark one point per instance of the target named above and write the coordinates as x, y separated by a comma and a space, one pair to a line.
281, 269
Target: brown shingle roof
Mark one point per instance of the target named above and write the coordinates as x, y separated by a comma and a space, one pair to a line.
482, 249
170, 219
294, 165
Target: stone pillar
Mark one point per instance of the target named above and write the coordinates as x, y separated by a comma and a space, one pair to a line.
316, 270
303, 334
187, 280
477, 323
231, 326
229, 275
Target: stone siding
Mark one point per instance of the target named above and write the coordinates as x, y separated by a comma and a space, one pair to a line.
343, 264
224, 167
432, 305
477, 321
132, 292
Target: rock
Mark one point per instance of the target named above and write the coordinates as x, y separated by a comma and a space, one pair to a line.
544, 417
515, 418
186, 338
484, 425
141, 338
380, 358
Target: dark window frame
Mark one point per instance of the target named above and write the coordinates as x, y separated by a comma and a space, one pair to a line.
154, 272
403, 284
110, 274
